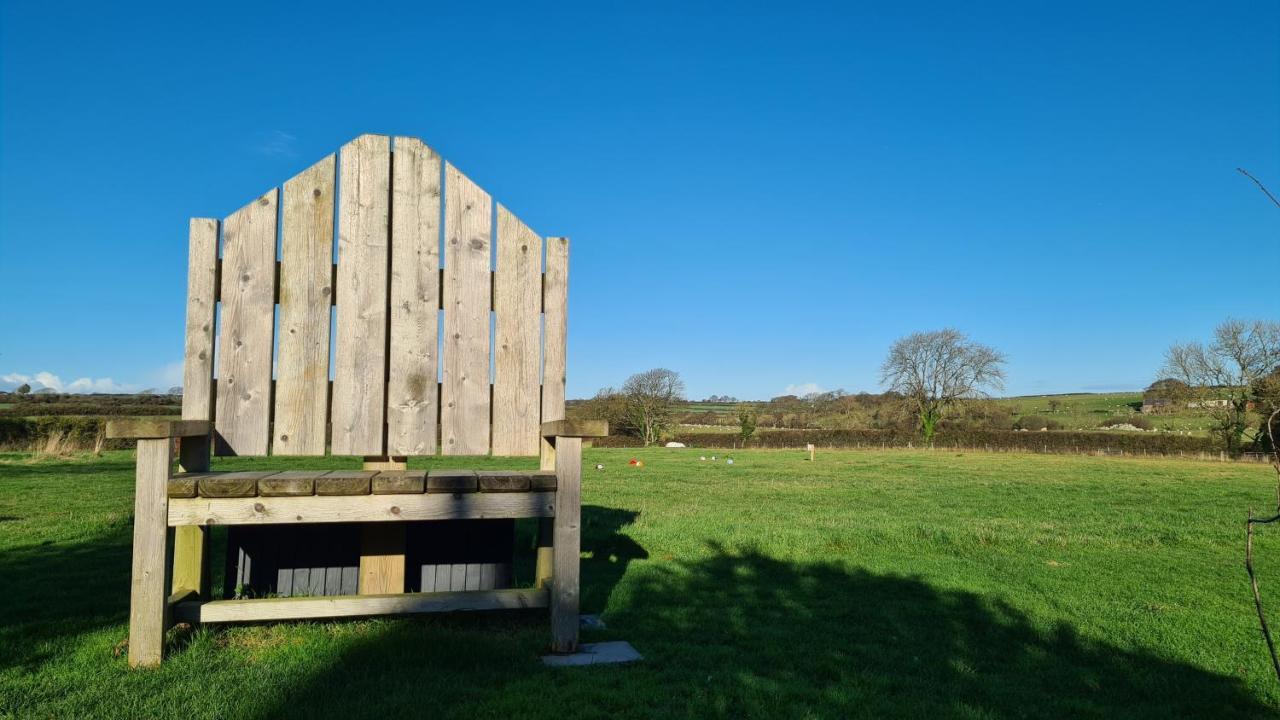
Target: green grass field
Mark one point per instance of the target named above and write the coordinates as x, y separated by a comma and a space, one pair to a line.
866, 584
1086, 410
1080, 411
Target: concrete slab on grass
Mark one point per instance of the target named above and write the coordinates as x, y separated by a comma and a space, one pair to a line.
600, 653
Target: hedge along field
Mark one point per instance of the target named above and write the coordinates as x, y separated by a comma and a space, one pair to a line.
1131, 443
865, 584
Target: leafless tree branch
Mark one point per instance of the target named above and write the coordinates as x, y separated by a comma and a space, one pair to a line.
1261, 187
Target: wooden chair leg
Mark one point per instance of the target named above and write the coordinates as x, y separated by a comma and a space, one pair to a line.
190, 545
150, 525
567, 545
191, 542
545, 567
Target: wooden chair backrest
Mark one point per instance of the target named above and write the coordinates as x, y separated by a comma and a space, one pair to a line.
443, 334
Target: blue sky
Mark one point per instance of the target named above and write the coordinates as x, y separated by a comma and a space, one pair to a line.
759, 198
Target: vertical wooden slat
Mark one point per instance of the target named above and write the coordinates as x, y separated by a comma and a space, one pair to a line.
415, 299
555, 308
150, 521
306, 270
464, 401
248, 321
197, 366
568, 545
517, 335
360, 362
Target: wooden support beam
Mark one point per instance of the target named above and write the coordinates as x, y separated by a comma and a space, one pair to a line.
307, 608
147, 591
358, 508
575, 428
141, 428
567, 545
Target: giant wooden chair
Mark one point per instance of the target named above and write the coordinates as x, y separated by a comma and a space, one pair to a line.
488, 377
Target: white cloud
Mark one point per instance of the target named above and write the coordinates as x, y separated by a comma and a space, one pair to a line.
46, 379
802, 389
277, 143
166, 377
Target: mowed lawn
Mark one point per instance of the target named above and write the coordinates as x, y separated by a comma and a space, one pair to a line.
865, 584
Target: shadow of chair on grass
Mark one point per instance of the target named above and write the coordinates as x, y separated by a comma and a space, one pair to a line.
741, 634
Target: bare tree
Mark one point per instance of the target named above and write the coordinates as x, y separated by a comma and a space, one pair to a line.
650, 401
939, 369
1267, 389
1222, 374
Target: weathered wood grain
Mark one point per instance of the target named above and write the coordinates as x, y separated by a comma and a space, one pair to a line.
575, 428
291, 483
306, 268
197, 364
415, 298
307, 608
399, 482
555, 308
344, 482
147, 591
542, 480
182, 487
451, 481
248, 322
517, 348
382, 558
156, 428
231, 485
359, 508
464, 401
359, 401
503, 481
567, 546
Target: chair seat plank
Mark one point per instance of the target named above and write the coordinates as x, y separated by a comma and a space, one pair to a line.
344, 482
231, 485
291, 483
183, 486
503, 481
399, 482
542, 480
451, 481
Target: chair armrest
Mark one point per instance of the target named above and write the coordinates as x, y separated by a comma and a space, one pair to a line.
575, 428
150, 428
